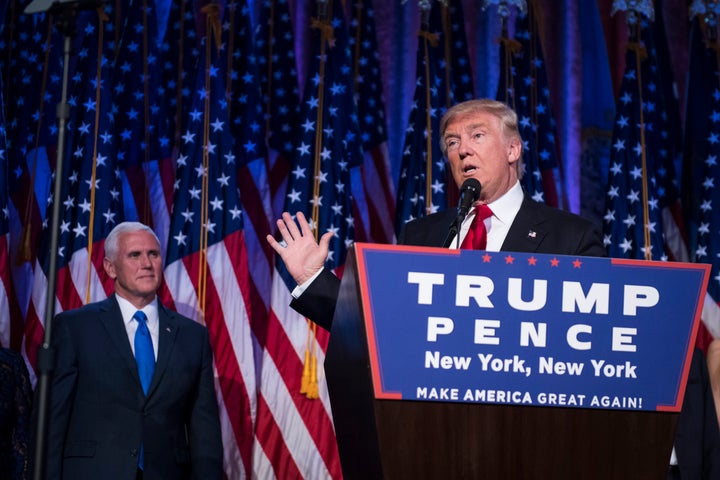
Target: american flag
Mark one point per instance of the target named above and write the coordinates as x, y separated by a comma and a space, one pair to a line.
641, 172
374, 190
456, 61
423, 176
180, 52
247, 127
523, 85
37, 60
448, 17
279, 82
701, 74
142, 126
92, 193
11, 322
442, 78
207, 265
29, 53
702, 153
295, 429
675, 233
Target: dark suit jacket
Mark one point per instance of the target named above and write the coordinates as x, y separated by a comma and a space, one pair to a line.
15, 410
697, 441
99, 415
537, 228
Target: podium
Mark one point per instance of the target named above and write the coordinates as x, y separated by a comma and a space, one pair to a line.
400, 438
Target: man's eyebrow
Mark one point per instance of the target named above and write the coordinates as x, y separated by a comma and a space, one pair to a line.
472, 126
139, 251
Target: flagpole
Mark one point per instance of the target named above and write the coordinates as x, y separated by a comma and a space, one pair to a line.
66, 12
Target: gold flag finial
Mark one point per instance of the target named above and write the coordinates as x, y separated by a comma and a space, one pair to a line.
212, 10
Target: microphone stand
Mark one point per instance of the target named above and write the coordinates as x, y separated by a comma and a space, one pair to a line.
454, 232
66, 12
46, 354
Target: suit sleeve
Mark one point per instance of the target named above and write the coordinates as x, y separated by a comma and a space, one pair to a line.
318, 301
697, 439
206, 450
591, 243
61, 397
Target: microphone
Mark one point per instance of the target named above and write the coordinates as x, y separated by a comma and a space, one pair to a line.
469, 194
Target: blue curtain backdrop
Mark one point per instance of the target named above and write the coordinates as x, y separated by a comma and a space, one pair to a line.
584, 51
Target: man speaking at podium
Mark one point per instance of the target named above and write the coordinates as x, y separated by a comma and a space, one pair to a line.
482, 143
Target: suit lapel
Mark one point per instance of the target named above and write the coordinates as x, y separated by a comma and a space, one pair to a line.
433, 234
112, 320
167, 334
526, 232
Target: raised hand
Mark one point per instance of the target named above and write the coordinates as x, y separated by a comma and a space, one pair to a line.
303, 256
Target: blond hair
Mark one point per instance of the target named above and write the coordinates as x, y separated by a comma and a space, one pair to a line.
508, 119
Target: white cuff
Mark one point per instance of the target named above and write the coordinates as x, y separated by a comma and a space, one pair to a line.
297, 291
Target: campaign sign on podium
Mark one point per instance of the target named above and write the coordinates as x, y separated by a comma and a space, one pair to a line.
529, 329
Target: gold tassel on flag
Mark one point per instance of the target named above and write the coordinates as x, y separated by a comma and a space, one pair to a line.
24, 253
313, 387
309, 381
305, 380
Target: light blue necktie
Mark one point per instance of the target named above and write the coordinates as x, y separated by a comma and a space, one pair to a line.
145, 358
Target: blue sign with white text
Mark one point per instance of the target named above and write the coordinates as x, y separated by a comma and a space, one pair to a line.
529, 329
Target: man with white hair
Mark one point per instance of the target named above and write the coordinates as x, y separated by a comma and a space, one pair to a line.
133, 394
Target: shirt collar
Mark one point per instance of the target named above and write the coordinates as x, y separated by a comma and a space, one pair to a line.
506, 207
128, 309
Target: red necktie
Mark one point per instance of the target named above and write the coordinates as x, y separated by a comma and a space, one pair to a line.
476, 238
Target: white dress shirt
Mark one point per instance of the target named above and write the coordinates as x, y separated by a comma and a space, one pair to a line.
504, 210
153, 321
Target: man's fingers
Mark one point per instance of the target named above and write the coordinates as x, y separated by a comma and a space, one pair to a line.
290, 226
273, 243
283, 229
325, 239
304, 225
289, 230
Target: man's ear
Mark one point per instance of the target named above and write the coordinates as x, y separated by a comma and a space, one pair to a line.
109, 268
514, 150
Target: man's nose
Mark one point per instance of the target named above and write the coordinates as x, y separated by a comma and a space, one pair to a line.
463, 148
